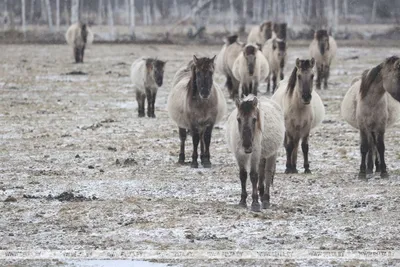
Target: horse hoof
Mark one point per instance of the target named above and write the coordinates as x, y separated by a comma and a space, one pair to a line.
206, 164
181, 161
370, 171
152, 116
194, 165
141, 115
287, 171
384, 175
307, 171
362, 175
265, 204
255, 206
242, 204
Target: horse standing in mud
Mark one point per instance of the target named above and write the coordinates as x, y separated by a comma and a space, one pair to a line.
79, 36
323, 49
372, 105
196, 103
147, 75
303, 110
254, 132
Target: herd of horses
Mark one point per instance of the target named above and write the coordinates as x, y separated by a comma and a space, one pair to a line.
258, 126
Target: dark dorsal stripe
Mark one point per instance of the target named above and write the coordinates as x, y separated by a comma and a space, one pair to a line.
250, 50
374, 75
232, 39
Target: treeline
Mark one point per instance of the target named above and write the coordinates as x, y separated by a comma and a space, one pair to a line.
234, 14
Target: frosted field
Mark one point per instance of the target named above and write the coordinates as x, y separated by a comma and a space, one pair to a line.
80, 134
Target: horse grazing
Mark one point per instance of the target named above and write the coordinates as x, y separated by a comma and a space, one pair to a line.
79, 36
254, 132
196, 103
275, 52
323, 49
303, 110
147, 75
250, 67
260, 34
372, 105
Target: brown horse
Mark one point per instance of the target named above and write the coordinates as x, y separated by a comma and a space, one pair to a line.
196, 103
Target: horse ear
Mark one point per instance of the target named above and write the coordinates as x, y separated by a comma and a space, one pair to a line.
298, 63
237, 103
195, 59
213, 58
259, 46
312, 62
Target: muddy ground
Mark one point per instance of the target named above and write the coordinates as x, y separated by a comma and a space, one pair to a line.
80, 170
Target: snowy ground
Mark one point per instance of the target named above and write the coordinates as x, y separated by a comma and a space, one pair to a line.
81, 134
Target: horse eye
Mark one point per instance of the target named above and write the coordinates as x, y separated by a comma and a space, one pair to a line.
312, 76
299, 76
239, 120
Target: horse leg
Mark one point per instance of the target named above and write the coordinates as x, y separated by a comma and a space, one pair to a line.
319, 76
377, 161
261, 177
273, 81
255, 205
270, 173
153, 101
254, 88
229, 85
182, 137
243, 178
268, 83
288, 142
140, 100
304, 148
149, 101
205, 160
326, 76
381, 151
196, 139
76, 54
364, 151
294, 154
370, 161
82, 53
235, 88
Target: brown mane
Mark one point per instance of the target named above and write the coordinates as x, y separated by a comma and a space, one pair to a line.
374, 75
246, 108
250, 50
232, 39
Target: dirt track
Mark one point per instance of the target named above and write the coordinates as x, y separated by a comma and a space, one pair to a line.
80, 134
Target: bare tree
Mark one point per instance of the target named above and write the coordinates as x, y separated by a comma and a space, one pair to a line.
373, 15
49, 17
345, 8
74, 11
23, 17
58, 14
100, 9
43, 12
244, 17
110, 19
32, 11
132, 17
232, 16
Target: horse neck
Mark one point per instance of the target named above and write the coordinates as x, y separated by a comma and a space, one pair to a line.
150, 78
192, 86
375, 92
